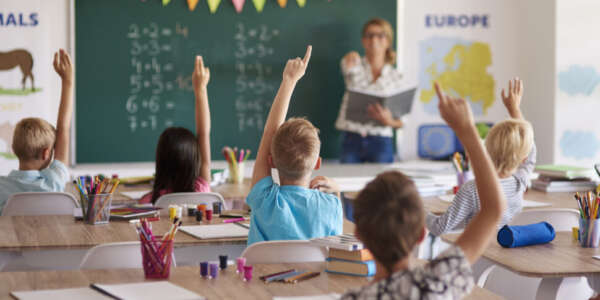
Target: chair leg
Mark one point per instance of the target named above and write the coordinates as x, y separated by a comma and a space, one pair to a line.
563, 288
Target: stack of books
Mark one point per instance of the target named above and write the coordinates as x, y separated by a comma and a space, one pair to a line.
347, 256
560, 178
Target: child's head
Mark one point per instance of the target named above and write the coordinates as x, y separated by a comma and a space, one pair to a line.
295, 148
33, 141
389, 217
508, 143
177, 161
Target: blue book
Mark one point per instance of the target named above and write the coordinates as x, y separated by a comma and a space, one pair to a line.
349, 267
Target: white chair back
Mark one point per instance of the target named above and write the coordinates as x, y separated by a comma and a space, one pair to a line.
284, 252
39, 203
112, 256
188, 198
562, 219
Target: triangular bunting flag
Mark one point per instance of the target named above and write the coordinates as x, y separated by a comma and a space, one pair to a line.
213, 5
165, 2
282, 3
239, 5
259, 4
192, 4
301, 3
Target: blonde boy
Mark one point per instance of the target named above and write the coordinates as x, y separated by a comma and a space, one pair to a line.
512, 150
389, 220
43, 151
298, 208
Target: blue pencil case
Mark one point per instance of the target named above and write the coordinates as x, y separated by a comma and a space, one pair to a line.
526, 235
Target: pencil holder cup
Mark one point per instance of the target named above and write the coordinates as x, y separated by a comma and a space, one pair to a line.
463, 177
589, 232
236, 173
96, 208
157, 257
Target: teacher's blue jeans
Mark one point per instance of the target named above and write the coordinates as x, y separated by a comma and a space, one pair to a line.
358, 149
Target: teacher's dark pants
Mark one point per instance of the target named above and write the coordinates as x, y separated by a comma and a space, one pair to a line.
358, 149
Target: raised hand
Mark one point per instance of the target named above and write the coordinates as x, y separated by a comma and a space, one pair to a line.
351, 59
62, 65
512, 100
295, 68
456, 112
201, 75
324, 184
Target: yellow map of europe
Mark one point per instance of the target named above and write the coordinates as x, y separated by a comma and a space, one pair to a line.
460, 67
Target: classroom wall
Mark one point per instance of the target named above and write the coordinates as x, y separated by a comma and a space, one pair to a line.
40, 27
577, 134
536, 46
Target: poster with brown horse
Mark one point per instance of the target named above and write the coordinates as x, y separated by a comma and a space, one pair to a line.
18, 58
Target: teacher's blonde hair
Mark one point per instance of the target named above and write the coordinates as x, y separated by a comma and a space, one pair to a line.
390, 54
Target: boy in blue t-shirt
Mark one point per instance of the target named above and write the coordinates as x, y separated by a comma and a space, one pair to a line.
298, 208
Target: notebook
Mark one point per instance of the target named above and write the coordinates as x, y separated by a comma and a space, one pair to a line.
344, 242
399, 102
526, 203
230, 230
63, 294
158, 290
564, 171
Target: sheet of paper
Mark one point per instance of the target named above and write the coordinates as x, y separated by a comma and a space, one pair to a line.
526, 203
158, 290
135, 194
63, 294
215, 231
352, 184
316, 297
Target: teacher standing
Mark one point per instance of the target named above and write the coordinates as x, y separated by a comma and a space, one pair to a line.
371, 142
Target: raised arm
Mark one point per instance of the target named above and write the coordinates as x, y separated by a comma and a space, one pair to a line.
64, 68
294, 70
480, 231
200, 78
512, 101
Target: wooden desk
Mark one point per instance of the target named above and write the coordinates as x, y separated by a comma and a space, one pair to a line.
562, 257
227, 285
37, 232
557, 200
554, 262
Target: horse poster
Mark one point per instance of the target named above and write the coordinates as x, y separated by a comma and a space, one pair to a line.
31, 31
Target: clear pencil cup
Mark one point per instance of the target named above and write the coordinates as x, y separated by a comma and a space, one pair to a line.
236, 173
589, 232
96, 208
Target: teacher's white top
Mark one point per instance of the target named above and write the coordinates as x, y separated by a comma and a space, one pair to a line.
360, 77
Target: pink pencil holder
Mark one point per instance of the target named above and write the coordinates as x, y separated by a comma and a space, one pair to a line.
156, 258
463, 177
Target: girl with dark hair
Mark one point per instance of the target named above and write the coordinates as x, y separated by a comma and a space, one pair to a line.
182, 159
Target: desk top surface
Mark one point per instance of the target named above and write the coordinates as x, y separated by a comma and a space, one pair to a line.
562, 257
227, 285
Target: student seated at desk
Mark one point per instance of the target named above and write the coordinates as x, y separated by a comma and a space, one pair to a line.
182, 160
390, 217
512, 150
291, 211
42, 150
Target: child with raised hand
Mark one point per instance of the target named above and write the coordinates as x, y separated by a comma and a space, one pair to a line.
296, 209
512, 149
42, 150
390, 221
182, 159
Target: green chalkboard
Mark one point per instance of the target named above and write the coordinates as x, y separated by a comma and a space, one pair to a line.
134, 61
